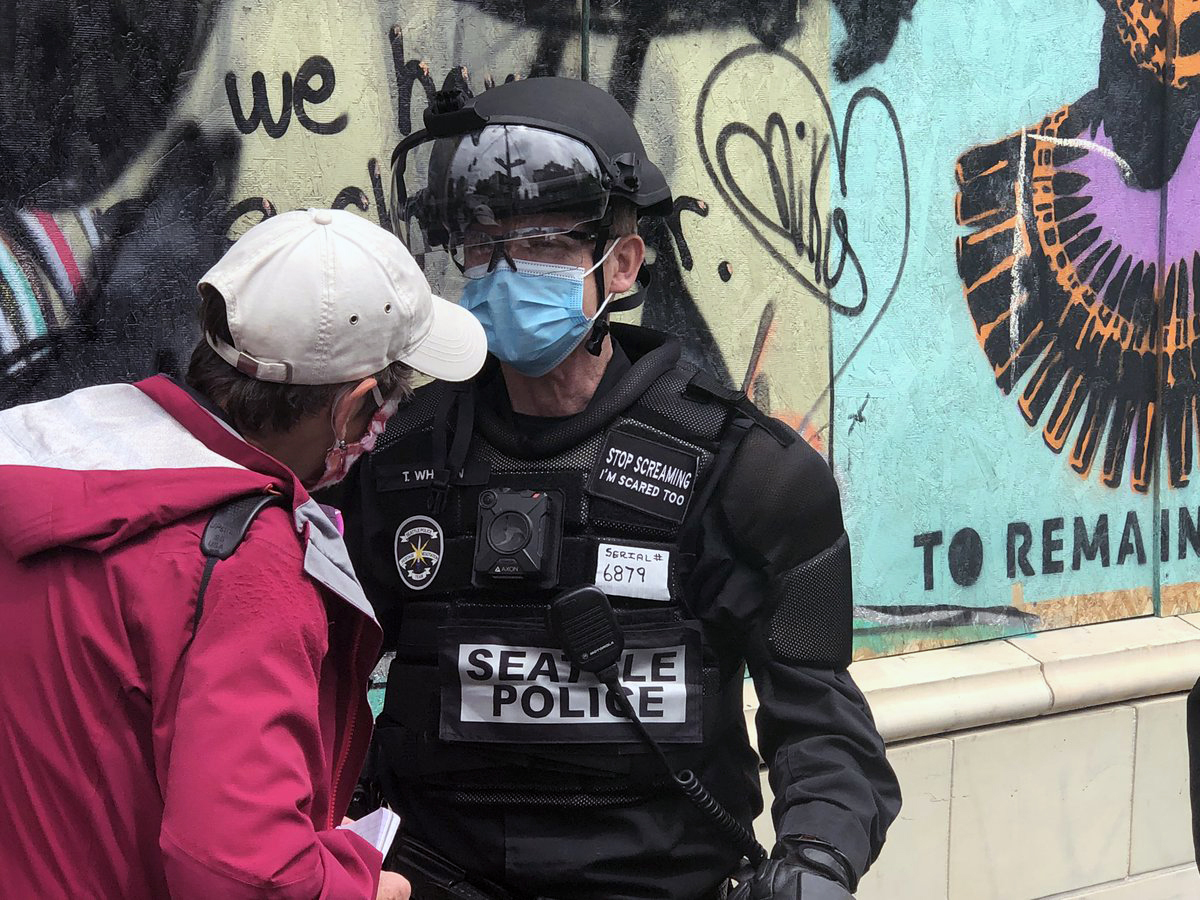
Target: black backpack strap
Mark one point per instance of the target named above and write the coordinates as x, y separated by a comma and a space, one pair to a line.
224, 533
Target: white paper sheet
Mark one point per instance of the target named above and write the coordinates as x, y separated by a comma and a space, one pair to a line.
379, 828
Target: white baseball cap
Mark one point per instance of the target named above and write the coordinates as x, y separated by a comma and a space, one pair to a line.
322, 296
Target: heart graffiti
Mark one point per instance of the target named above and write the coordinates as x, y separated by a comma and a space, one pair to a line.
801, 219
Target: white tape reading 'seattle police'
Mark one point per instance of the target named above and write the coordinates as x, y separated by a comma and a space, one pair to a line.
539, 686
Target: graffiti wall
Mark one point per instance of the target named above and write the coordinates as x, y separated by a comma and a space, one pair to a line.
1030, 399
960, 262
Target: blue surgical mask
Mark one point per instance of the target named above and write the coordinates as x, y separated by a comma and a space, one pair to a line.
532, 315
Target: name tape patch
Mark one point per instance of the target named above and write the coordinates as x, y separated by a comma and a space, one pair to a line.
509, 691
633, 571
394, 477
645, 475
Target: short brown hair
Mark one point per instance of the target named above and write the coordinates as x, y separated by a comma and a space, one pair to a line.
263, 407
624, 217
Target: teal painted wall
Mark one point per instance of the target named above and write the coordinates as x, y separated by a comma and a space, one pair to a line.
926, 442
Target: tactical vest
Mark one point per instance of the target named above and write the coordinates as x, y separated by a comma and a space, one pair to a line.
480, 698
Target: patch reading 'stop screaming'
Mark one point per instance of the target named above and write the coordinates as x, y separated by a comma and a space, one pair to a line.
645, 475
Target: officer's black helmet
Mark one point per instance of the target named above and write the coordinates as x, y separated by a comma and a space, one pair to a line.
522, 148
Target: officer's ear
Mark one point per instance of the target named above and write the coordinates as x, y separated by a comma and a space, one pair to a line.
623, 264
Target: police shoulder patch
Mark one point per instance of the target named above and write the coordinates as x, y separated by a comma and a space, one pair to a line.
419, 545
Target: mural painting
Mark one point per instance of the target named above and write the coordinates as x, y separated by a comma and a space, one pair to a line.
1075, 257
1082, 259
855, 219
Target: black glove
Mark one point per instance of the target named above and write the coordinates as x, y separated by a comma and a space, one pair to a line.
803, 869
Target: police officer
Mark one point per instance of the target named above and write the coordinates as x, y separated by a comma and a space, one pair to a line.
586, 454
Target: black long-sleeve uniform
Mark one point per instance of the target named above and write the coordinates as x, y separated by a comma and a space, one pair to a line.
552, 805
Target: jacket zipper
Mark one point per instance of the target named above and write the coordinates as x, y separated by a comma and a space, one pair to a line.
350, 735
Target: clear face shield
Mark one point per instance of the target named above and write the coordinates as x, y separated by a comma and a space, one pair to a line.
465, 204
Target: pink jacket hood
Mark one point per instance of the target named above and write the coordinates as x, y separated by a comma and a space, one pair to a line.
162, 457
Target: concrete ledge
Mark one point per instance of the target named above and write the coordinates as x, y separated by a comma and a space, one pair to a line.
1171, 884
1099, 664
937, 691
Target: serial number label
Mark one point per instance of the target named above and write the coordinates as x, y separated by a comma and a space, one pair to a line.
633, 571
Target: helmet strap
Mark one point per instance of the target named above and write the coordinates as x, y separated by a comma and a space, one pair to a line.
595, 341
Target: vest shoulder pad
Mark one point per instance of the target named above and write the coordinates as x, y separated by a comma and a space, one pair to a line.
703, 388
781, 503
667, 404
415, 415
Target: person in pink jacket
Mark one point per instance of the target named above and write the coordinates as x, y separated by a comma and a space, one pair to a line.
155, 746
